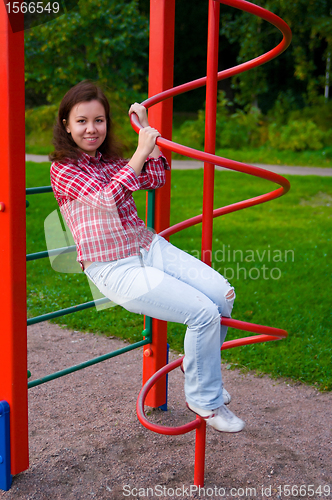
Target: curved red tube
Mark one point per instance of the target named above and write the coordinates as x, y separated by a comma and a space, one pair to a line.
213, 159
265, 333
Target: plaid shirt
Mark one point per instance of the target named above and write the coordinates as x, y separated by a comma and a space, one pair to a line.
96, 201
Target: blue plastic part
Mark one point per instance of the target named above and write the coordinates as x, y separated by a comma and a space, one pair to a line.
5, 476
164, 406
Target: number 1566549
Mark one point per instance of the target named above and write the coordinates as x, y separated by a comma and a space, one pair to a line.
32, 7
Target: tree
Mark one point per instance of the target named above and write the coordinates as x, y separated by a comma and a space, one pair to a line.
101, 40
300, 71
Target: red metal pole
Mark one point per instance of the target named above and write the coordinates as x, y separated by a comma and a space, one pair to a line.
13, 338
210, 128
200, 453
161, 63
208, 188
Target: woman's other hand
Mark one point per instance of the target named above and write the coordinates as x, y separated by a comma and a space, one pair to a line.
141, 113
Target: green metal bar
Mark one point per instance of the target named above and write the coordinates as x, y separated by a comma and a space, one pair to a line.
68, 310
39, 190
150, 225
150, 215
91, 362
148, 329
48, 253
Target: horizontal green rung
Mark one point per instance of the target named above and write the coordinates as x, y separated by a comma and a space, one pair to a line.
48, 253
85, 364
39, 190
68, 310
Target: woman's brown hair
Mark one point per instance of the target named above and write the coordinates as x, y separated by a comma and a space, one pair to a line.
65, 147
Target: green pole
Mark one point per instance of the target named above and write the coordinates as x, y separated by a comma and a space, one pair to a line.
68, 310
85, 364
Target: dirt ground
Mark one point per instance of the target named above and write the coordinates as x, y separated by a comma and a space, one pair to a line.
86, 441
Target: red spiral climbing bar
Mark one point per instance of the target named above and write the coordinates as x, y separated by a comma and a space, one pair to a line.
265, 333
209, 157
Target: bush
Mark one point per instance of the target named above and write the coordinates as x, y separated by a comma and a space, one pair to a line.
39, 120
320, 114
284, 105
298, 135
243, 128
192, 132
39, 123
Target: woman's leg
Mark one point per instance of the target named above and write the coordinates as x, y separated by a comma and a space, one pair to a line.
183, 266
197, 274
144, 289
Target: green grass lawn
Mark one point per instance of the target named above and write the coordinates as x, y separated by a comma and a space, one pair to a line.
276, 255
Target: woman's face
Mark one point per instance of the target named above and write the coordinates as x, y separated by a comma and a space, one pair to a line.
87, 125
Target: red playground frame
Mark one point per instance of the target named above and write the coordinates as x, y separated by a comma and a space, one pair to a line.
13, 339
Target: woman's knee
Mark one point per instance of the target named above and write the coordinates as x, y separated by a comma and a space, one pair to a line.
203, 313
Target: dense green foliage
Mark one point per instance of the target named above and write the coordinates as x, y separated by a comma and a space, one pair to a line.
299, 72
107, 41
277, 108
102, 40
282, 129
277, 255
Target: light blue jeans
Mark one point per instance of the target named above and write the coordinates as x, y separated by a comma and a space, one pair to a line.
169, 284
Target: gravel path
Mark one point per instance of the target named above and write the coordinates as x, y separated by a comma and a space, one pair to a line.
86, 441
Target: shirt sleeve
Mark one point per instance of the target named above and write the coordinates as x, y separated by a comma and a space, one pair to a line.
69, 182
153, 173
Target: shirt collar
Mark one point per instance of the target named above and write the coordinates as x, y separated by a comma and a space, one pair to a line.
87, 159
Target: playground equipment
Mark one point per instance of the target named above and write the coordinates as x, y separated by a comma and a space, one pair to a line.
211, 79
13, 341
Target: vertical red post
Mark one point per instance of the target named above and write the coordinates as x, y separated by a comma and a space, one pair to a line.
13, 338
161, 63
200, 453
208, 188
210, 128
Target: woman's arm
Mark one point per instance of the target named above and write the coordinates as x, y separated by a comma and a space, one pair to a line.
153, 175
69, 182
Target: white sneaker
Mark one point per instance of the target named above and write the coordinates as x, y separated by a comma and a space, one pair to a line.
225, 394
221, 419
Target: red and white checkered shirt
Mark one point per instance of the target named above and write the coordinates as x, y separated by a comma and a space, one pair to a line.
96, 201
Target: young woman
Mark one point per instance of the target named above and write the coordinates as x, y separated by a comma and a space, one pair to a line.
131, 265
